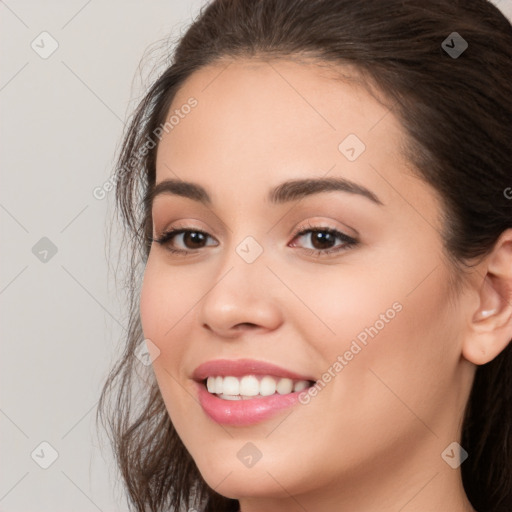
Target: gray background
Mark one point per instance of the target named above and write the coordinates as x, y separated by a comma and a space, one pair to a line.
62, 318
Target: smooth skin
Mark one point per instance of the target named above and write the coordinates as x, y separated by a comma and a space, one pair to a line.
372, 439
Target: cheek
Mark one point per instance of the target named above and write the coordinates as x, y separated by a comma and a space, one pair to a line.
344, 304
387, 332
160, 309
163, 307
152, 303
168, 300
405, 356
163, 300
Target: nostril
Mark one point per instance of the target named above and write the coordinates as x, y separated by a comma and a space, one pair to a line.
245, 325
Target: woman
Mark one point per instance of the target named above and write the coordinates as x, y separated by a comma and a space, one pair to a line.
319, 194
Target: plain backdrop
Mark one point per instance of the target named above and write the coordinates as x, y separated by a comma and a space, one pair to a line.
69, 77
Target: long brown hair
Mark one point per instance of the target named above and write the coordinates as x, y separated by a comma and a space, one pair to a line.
457, 113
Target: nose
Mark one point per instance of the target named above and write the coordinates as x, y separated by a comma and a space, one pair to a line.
240, 299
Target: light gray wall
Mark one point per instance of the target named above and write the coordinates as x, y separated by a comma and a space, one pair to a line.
60, 124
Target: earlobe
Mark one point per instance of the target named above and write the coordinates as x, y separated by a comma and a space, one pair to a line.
491, 324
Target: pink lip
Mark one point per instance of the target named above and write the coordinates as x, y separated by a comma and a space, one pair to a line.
243, 412
241, 367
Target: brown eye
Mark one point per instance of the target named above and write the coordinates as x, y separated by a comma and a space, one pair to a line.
190, 239
323, 240
193, 239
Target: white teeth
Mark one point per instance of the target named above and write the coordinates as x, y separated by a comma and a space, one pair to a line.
284, 386
210, 384
231, 397
248, 386
218, 384
267, 386
231, 386
300, 385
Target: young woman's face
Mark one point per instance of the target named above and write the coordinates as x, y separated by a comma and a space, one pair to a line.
365, 310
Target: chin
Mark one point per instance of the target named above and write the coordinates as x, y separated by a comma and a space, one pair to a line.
247, 484
268, 477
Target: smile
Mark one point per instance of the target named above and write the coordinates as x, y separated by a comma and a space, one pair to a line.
250, 386
243, 410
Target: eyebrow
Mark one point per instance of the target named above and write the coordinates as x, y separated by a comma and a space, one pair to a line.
291, 190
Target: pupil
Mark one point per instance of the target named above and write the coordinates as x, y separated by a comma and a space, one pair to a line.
322, 237
196, 237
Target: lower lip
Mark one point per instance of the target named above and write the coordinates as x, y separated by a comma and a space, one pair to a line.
244, 412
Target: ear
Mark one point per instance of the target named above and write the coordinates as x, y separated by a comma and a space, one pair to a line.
490, 325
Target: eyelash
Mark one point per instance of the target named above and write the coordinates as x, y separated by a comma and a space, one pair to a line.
349, 242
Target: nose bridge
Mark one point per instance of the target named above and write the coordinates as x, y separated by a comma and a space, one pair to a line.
243, 269
246, 248
241, 291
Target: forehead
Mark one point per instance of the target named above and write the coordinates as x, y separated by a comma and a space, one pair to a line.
266, 121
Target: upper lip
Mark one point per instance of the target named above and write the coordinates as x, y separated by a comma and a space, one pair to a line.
241, 367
